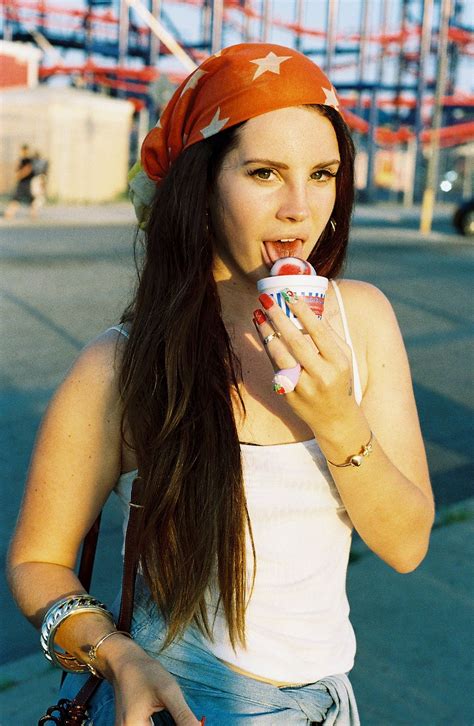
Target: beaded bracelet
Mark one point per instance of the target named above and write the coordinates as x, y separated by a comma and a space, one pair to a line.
57, 614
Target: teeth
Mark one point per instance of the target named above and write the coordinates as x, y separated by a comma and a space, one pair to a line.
289, 240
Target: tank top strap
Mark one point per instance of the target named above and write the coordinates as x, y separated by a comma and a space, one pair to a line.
348, 339
120, 329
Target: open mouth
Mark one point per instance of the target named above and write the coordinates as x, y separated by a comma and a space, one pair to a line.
274, 250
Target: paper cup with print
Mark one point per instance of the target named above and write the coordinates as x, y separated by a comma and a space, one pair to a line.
310, 288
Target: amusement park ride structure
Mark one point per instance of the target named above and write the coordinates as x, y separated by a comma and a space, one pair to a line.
125, 48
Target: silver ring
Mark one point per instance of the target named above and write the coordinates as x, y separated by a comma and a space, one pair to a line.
270, 337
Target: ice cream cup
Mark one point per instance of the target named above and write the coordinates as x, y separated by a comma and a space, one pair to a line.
310, 288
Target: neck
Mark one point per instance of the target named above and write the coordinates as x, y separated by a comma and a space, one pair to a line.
238, 294
238, 299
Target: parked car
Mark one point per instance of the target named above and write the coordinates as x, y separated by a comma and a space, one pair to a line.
463, 218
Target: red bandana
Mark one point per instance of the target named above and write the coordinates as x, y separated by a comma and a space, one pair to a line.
236, 84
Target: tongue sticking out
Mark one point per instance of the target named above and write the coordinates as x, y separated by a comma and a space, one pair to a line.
276, 249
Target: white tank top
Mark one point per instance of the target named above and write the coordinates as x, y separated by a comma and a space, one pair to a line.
297, 619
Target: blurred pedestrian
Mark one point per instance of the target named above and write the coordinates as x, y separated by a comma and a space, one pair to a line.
38, 182
23, 194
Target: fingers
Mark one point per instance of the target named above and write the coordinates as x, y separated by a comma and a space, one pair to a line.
318, 329
162, 696
178, 708
275, 348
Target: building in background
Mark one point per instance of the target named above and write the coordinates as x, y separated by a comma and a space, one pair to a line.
83, 135
19, 64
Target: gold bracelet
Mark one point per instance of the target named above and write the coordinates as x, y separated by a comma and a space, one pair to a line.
94, 648
357, 459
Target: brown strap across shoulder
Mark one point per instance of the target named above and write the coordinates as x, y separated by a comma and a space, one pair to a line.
130, 564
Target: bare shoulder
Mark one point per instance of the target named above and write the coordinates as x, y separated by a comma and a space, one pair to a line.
367, 307
77, 456
88, 398
99, 362
364, 296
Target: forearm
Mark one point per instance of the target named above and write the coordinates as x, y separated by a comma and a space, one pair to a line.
389, 511
37, 585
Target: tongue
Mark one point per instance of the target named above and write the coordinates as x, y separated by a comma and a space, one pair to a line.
276, 249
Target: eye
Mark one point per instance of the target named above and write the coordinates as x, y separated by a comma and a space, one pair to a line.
323, 175
264, 173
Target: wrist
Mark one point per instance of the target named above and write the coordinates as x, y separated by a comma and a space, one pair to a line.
114, 653
343, 439
357, 458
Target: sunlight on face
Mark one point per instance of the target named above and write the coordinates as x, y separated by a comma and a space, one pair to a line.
277, 184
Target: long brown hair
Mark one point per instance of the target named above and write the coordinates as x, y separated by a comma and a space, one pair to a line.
179, 380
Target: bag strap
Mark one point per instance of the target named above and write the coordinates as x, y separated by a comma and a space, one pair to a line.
86, 563
130, 564
89, 548
130, 559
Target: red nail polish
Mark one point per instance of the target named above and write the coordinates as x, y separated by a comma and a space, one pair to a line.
203, 721
266, 300
259, 317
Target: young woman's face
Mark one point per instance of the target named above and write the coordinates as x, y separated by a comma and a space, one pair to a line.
276, 190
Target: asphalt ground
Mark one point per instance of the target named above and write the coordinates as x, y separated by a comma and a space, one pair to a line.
67, 276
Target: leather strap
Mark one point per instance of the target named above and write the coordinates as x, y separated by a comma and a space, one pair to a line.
129, 572
89, 547
130, 562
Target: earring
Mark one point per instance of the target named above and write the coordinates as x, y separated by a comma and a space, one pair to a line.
333, 225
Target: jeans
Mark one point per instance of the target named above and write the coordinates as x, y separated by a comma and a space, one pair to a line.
213, 690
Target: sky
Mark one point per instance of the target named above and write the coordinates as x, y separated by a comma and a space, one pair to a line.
348, 22
186, 17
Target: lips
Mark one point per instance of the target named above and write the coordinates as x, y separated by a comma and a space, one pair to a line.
274, 250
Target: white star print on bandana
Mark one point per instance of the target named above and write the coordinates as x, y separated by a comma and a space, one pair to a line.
331, 98
215, 126
271, 63
193, 81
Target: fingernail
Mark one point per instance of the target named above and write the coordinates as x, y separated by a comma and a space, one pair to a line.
266, 300
259, 317
289, 296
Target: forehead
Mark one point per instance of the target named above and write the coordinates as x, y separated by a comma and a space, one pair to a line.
294, 130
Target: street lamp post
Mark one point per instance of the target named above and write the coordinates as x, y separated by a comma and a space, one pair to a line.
330, 33
429, 194
217, 18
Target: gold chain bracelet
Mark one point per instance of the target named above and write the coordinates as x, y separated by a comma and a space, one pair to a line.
356, 459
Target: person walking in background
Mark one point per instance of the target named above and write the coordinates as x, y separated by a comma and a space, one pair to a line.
38, 183
260, 445
23, 195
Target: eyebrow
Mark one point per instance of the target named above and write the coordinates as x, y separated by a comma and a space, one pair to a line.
280, 165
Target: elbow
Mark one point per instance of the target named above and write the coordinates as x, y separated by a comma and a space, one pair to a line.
405, 566
411, 552
409, 557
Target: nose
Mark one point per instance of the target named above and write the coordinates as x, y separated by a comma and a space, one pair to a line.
294, 205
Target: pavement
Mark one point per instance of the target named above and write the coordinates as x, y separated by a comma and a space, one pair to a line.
73, 215
368, 220
415, 632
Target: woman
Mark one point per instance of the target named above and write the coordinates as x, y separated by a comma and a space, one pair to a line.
250, 498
